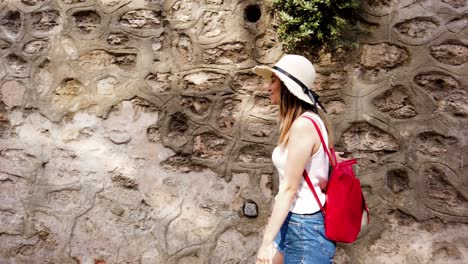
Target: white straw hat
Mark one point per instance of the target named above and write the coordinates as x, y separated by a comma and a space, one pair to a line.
298, 75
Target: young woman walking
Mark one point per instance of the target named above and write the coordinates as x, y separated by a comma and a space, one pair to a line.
295, 232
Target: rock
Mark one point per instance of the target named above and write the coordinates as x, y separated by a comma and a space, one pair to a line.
260, 128
204, 81
254, 154
419, 27
11, 21
453, 54
11, 222
445, 252
65, 200
45, 21
226, 54
434, 144
397, 180
246, 82
436, 81
181, 163
330, 81
456, 104
209, 146
73, 1
178, 128
4, 46
13, 93
100, 59
153, 134
32, 2
335, 107
396, 102
229, 114
42, 78
124, 181
106, 85
458, 24
35, 46
383, 56
455, 3
231, 238
141, 19
213, 23
17, 65
159, 82
110, 2
119, 137
250, 209
87, 21
441, 192
264, 107
197, 105
117, 39
117, 210
362, 136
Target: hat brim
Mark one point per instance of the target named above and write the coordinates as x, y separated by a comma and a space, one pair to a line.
266, 72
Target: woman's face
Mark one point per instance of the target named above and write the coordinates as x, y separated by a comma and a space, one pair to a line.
274, 87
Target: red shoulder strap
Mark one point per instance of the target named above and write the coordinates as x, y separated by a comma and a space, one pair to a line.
331, 159
311, 186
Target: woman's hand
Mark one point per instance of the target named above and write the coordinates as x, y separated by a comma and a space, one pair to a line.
265, 253
338, 157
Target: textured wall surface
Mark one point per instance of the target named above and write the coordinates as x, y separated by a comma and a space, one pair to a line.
132, 131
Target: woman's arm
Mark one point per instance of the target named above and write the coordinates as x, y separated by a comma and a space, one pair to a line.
303, 141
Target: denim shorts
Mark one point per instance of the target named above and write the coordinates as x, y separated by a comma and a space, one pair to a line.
302, 240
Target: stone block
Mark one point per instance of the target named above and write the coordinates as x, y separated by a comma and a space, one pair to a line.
452, 54
197, 105
362, 136
13, 93
17, 66
209, 146
36, 46
396, 102
45, 22
87, 21
383, 56
141, 19
433, 144
11, 22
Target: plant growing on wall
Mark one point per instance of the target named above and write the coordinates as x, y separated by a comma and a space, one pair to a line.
307, 25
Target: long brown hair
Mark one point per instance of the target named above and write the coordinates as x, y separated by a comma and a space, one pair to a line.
290, 108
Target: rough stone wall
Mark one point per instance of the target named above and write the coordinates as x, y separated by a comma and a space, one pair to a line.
405, 115
132, 131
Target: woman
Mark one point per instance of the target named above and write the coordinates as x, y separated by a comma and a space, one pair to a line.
295, 231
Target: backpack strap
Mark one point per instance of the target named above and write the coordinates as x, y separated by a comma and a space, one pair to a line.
364, 205
325, 148
332, 161
311, 186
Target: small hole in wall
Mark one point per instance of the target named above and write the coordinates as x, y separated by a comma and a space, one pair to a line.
252, 13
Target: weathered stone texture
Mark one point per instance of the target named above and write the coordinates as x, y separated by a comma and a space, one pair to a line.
396, 102
453, 54
382, 56
419, 27
135, 131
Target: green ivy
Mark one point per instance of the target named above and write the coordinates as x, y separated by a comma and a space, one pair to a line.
305, 26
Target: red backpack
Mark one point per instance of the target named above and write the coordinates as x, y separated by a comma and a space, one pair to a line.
344, 202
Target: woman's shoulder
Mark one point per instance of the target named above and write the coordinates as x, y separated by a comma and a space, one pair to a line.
302, 124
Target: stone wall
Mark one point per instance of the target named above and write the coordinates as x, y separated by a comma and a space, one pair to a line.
133, 131
406, 117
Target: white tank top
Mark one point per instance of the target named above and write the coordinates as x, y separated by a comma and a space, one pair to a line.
317, 168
